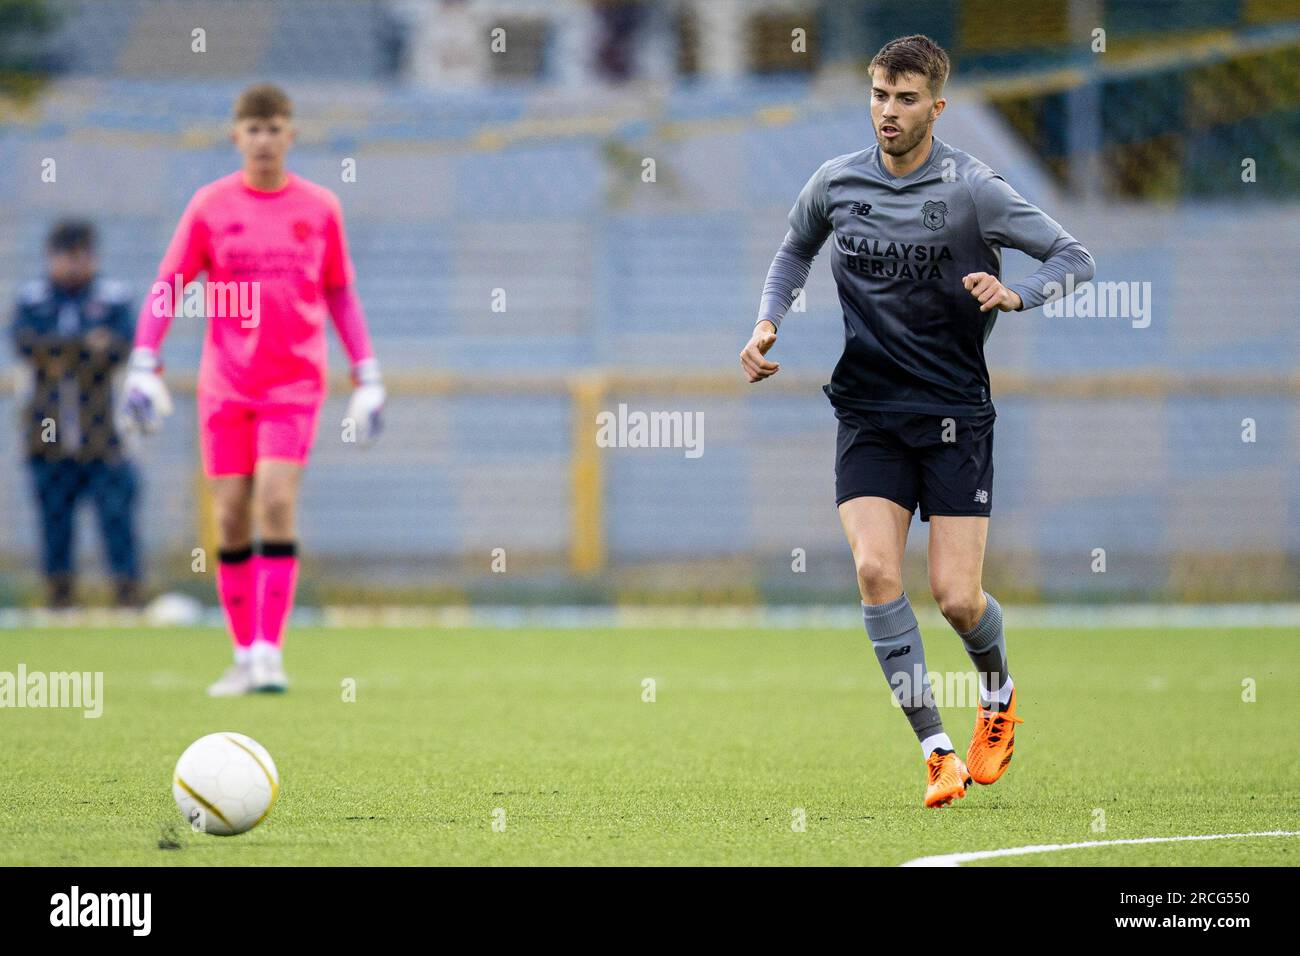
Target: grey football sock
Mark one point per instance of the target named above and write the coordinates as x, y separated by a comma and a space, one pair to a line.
987, 648
897, 642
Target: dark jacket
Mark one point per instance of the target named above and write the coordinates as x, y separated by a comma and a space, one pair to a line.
71, 342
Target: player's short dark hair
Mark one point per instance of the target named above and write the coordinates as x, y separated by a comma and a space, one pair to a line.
263, 101
72, 235
914, 54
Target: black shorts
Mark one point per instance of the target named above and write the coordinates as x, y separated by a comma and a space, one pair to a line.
944, 463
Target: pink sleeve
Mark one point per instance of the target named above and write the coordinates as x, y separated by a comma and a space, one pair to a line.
350, 321
337, 271
337, 277
187, 255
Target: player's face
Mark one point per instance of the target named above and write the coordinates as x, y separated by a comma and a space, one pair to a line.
72, 269
263, 142
902, 111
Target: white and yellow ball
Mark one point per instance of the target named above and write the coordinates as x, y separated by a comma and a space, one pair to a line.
225, 784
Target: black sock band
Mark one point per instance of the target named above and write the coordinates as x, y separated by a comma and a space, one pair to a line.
235, 555
278, 549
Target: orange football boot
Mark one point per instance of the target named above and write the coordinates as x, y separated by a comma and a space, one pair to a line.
948, 779
993, 742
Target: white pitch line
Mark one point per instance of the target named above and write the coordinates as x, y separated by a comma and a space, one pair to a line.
956, 859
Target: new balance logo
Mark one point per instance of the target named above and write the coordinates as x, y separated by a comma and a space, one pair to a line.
899, 652
860, 209
981, 497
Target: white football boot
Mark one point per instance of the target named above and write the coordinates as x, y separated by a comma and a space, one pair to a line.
237, 680
268, 675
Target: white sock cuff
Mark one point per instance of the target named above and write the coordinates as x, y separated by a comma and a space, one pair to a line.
935, 742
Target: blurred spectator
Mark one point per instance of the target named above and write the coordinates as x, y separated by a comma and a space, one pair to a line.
393, 27
71, 330
616, 45
447, 44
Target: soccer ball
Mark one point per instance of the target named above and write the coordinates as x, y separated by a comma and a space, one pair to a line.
174, 610
225, 784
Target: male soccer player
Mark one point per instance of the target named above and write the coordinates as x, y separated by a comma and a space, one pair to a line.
917, 227
273, 248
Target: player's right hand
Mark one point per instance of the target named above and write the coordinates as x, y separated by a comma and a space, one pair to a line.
753, 356
145, 399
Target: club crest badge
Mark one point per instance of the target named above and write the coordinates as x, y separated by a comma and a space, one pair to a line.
933, 214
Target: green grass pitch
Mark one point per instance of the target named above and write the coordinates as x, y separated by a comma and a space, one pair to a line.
448, 726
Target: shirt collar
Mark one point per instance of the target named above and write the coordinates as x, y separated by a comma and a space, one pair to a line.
936, 147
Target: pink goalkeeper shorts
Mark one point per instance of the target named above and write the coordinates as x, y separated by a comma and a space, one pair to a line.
235, 435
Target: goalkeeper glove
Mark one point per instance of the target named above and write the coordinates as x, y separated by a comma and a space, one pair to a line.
145, 399
365, 409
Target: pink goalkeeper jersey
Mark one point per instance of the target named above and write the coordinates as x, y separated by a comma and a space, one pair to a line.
275, 263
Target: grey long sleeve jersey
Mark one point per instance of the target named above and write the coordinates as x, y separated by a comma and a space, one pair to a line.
914, 336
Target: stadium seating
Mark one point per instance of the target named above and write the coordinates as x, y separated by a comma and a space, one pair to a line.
460, 195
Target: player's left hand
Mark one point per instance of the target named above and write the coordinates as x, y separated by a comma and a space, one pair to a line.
366, 406
990, 292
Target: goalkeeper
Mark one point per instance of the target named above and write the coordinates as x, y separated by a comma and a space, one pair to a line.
273, 248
